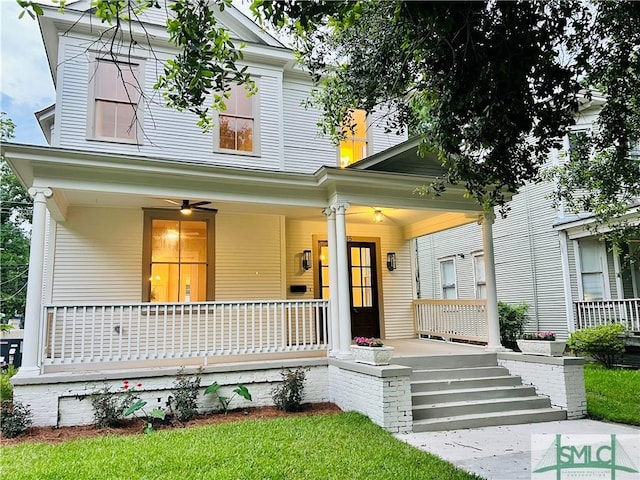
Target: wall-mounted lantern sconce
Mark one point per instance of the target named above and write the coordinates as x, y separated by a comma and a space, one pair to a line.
306, 259
391, 261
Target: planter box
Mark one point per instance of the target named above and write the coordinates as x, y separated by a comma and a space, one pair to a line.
542, 347
372, 355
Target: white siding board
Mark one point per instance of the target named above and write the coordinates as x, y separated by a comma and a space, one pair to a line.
98, 256
248, 257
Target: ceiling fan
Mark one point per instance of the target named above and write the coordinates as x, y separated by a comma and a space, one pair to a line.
186, 207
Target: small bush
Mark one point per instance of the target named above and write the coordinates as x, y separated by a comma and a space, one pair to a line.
602, 343
15, 418
108, 406
185, 395
6, 388
288, 395
512, 321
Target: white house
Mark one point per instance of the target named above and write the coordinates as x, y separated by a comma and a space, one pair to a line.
545, 256
240, 251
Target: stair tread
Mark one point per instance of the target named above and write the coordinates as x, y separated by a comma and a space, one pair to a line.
470, 416
470, 379
463, 369
473, 390
463, 403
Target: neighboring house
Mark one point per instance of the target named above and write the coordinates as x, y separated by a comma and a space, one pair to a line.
157, 245
545, 257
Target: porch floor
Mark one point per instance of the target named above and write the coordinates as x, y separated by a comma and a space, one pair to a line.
413, 347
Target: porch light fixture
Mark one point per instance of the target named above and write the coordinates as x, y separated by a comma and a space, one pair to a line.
391, 261
306, 259
378, 216
185, 209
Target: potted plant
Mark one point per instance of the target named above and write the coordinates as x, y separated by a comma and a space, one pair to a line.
541, 343
371, 351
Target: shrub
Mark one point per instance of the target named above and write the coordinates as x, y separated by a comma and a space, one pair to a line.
14, 418
602, 343
512, 320
288, 395
185, 395
108, 406
6, 388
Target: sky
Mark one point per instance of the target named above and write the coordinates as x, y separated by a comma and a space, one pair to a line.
25, 80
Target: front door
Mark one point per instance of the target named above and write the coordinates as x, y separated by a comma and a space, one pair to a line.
363, 285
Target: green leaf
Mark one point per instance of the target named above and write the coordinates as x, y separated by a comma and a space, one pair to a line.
213, 388
157, 412
134, 408
243, 392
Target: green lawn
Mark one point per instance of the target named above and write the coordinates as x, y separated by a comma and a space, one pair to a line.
613, 395
343, 446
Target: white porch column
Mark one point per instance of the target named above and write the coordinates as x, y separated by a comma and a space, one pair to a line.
334, 286
493, 327
344, 304
32, 325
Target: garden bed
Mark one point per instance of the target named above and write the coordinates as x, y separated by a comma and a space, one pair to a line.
134, 426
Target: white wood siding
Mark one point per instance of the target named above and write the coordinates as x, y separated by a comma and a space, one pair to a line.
248, 257
527, 257
396, 286
98, 256
304, 150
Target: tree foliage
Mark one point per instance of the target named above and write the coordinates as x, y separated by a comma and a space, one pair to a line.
491, 86
15, 216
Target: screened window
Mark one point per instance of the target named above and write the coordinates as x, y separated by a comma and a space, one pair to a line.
237, 122
354, 146
448, 279
478, 273
591, 270
178, 257
116, 96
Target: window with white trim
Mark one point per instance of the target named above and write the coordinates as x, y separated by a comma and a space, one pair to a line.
479, 276
448, 279
115, 94
354, 146
592, 269
237, 123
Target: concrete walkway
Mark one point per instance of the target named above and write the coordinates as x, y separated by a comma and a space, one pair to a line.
504, 453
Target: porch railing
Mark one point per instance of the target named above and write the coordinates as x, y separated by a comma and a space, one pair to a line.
112, 333
457, 319
601, 312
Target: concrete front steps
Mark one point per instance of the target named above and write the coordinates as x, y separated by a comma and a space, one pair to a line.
466, 391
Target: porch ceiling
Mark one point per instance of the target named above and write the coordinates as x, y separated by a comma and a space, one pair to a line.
80, 178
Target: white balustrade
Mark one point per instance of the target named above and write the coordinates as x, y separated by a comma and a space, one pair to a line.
110, 333
458, 319
603, 312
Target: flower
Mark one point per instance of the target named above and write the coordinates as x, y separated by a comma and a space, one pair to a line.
548, 336
139, 385
368, 342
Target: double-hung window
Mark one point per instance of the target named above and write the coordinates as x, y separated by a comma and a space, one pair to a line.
592, 263
237, 123
479, 275
448, 279
115, 94
178, 257
353, 147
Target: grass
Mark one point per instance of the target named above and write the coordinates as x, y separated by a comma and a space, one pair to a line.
343, 446
613, 395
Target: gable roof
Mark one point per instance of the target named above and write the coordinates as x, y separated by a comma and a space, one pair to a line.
402, 158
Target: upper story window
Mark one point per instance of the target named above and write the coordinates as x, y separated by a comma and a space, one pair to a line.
237, 124
115, 93
354, 146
